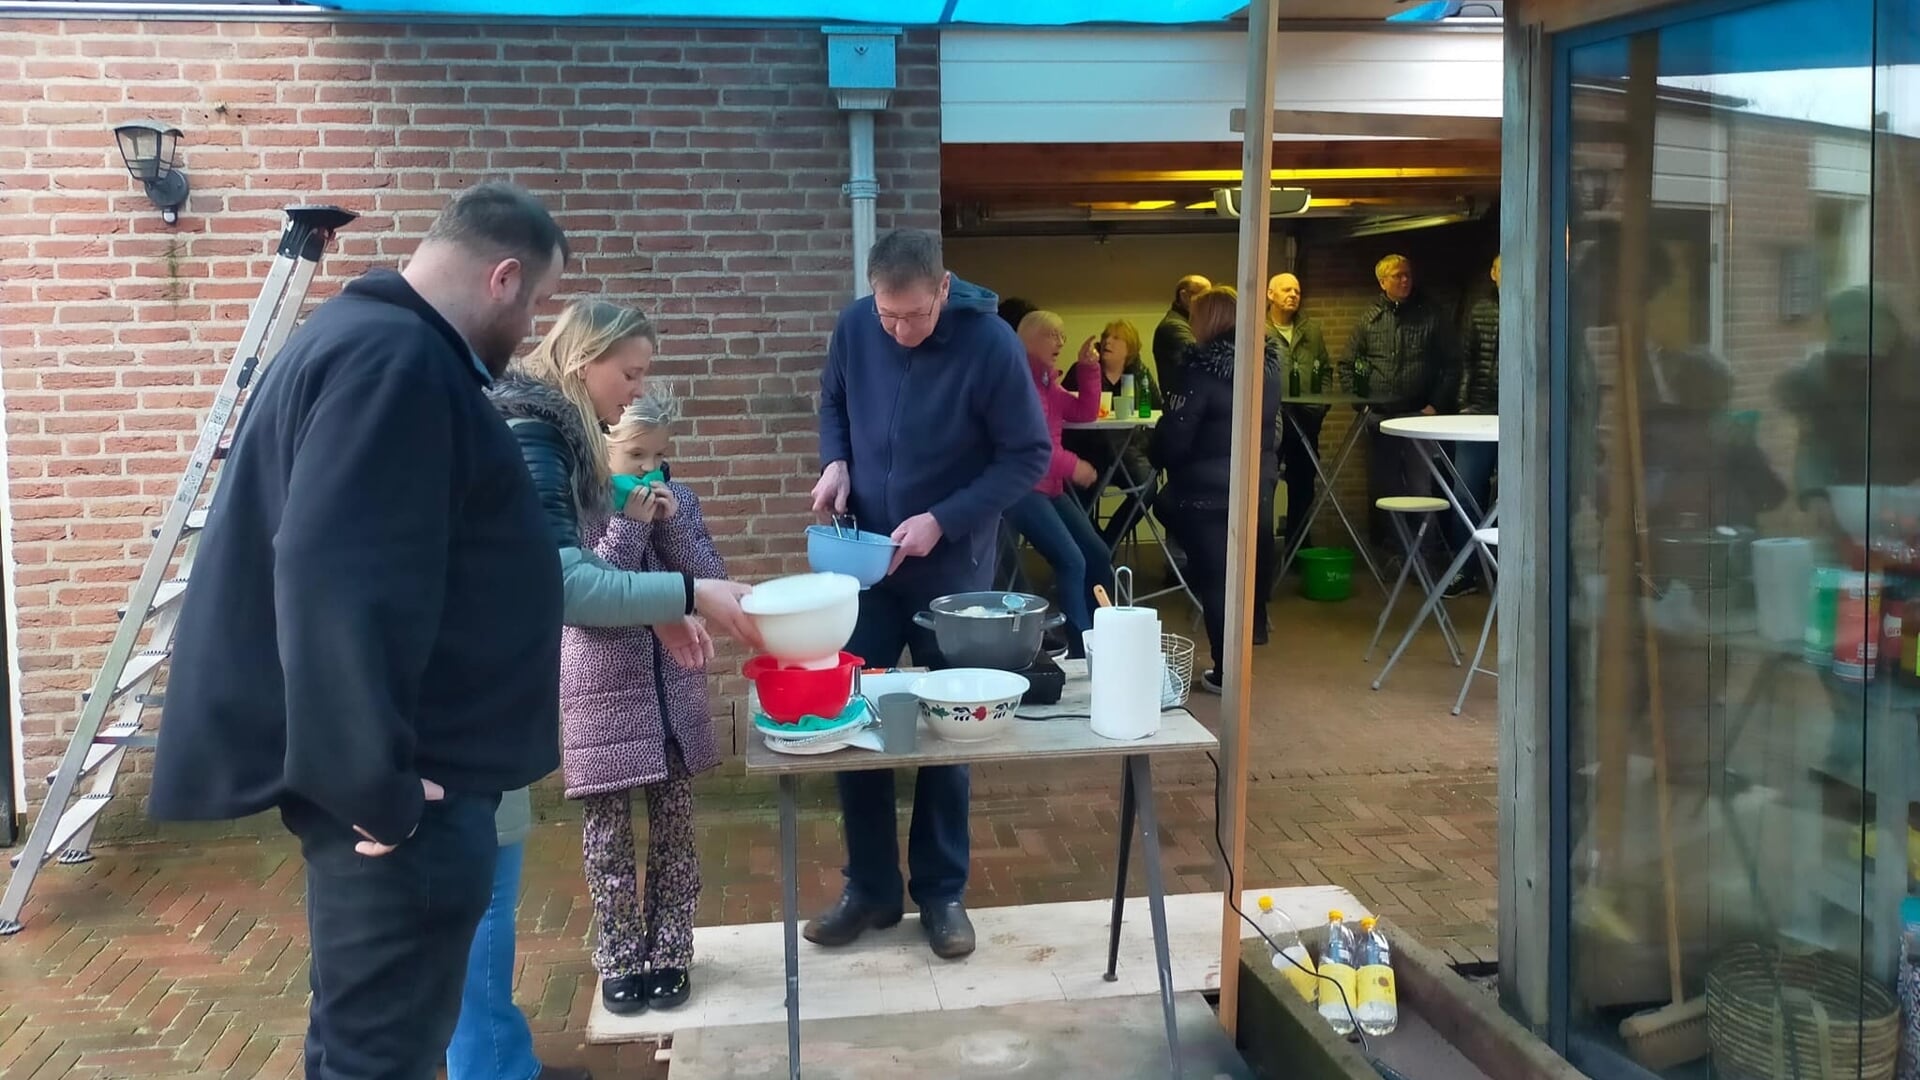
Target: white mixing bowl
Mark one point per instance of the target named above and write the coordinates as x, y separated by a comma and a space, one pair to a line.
805, 619
969, 704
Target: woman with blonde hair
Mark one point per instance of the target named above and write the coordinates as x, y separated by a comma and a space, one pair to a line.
1193, 443
1049, 517
1118, 348
558, 402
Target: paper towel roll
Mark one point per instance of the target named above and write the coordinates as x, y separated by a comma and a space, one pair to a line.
1126, 679
1782, 568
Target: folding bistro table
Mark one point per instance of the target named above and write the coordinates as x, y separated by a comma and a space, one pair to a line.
1130, 428
1364, 410
1042, 733
1431, 432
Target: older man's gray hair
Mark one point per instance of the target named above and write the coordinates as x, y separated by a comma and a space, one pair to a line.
905, 258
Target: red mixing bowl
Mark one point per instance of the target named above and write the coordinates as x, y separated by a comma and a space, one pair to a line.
789, 693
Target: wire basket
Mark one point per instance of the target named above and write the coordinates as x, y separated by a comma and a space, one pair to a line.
1774, 1015
1176, 682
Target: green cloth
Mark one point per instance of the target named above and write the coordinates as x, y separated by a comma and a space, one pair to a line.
624, 485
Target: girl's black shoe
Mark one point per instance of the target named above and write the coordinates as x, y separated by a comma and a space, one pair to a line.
668, 988
625, 995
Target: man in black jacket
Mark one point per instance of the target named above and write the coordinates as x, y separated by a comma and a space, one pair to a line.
1479, 396
1174, 336
372, 642
1401, 357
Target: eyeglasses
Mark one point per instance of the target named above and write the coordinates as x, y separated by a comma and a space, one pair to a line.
890, 320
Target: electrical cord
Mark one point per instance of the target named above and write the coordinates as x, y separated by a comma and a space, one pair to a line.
1233, 901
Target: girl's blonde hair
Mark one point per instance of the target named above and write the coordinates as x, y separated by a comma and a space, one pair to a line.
583, 333
657, 410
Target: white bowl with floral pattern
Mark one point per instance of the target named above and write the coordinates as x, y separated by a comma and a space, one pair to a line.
969, 704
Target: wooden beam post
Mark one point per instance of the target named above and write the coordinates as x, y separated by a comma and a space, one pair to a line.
1526, 388
1243, 520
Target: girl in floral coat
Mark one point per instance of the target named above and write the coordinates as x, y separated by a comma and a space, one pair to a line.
632, 718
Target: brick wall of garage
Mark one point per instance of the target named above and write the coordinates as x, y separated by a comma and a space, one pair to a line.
697, 171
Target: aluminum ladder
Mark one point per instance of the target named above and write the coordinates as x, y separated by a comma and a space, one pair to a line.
64, 826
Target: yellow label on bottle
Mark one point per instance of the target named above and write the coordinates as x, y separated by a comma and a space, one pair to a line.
1296, 966
1376, 985
1345, 978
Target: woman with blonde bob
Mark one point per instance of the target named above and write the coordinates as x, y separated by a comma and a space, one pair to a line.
558, 401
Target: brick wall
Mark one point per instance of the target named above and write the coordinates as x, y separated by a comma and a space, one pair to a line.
697, 173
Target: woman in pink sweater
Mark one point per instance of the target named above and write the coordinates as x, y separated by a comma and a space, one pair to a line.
1052, 520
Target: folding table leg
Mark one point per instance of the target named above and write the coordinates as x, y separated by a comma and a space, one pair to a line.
1120, 878
790, 907
1142, 773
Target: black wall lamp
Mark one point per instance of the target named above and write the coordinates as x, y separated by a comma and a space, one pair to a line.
148, 149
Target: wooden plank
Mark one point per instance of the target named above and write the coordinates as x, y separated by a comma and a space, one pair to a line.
1370, 125
1243, 514
1525, 656
1555, 16
1029, 953
1119, 1039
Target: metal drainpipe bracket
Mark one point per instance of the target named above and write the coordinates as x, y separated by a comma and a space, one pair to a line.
861, 189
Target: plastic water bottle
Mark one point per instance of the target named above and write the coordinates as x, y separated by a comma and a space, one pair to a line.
1290, 958
1338, 978
1123, 401
1378, 1009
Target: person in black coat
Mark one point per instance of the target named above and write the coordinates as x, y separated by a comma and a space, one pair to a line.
1193, 443
1174, 336
372, 642
1479, 396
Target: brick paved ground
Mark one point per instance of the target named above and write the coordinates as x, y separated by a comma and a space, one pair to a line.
187, 959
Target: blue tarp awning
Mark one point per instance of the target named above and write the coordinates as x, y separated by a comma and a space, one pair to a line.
1786, 35
882, 12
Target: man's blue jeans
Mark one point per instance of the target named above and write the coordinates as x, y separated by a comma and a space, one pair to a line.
492, 1040
1059, 530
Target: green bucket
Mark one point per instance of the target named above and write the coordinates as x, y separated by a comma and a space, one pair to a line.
1326, 573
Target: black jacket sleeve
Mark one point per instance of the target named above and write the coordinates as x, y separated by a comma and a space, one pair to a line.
359, 578
550, 463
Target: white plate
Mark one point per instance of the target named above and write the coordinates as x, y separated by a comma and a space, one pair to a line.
783, 746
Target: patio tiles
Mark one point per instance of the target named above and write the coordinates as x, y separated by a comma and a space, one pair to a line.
186, 957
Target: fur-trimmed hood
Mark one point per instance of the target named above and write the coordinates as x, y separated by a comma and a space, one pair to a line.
520, 396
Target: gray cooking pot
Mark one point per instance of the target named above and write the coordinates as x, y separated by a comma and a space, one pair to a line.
1006, 638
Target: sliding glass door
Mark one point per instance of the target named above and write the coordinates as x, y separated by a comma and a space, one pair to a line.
1739, 495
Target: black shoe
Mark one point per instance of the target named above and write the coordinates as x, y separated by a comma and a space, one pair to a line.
624, 995
1461, 585
1260, 632
563, 1072
1210, 682
948, 929
848, 919
668, 988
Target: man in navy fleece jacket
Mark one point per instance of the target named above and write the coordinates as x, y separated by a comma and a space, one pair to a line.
929, 429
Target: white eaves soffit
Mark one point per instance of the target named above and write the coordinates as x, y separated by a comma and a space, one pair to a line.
1160, 85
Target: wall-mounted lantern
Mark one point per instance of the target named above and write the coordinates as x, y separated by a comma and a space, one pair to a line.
148, 149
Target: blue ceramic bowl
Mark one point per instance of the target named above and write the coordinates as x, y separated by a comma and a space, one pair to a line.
864, 556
